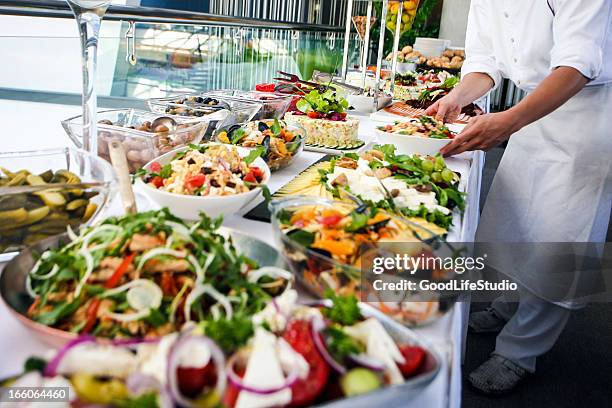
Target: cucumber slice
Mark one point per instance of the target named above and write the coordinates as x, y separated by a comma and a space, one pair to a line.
359, 381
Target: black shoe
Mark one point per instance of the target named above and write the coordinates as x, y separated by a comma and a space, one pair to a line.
486, 321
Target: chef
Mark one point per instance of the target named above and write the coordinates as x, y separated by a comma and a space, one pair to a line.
554, 181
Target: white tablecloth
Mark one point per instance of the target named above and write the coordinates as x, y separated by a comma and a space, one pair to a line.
447, 334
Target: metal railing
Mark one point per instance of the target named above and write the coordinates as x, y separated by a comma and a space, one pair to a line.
60, 9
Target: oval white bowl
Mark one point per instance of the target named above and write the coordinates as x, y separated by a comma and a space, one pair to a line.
406, 144
189, 207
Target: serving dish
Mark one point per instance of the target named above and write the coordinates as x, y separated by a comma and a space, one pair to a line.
273, 105
14, 279
203, 104
291, 362
281, 142
49, 190
420, 135
213, 193
133, 128
325, 250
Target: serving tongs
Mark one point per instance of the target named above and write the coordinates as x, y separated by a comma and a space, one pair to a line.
328, 78
292, 78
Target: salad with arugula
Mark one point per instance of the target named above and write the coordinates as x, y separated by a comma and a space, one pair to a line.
146, 275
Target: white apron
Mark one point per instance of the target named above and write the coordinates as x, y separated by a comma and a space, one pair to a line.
554, 184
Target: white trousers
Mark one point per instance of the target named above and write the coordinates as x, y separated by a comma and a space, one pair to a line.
533, 327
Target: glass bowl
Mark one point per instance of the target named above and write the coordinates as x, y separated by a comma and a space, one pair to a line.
203, 104
279, 153
274, 105
318, 271
62, 187
140, 146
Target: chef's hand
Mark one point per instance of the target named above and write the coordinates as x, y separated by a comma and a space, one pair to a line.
446, 109
482, 133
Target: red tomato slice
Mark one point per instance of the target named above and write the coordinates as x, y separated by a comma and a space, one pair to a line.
157, 181
299, 335
191, 381
313, 115
331, 220
155, 167
250, 177
195, 181
265, 87
414, 357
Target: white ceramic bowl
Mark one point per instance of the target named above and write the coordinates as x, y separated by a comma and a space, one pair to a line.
365, 104
407, 144
189, 207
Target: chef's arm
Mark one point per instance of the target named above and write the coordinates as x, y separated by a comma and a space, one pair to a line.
472, 86
487, 131
559, 86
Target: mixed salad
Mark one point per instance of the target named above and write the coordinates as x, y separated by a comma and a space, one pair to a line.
146, 275
322, 105
287, 354
417, 187
206, 170
278, 141
422, 126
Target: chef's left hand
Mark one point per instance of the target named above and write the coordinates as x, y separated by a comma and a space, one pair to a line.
482, 133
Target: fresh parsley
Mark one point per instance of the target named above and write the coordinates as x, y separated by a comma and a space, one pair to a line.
344, 309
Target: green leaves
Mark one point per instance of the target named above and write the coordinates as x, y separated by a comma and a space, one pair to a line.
230, 335
301, 237
344, 309
340, 344
276, 128
237, 135
323, 103
358, 221
254, 154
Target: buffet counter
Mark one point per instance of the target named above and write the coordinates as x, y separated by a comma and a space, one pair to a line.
446, 335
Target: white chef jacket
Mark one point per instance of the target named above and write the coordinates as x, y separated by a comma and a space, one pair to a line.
523, 40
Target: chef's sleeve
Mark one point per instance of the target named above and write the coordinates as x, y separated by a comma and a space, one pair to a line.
479, 55
580, 29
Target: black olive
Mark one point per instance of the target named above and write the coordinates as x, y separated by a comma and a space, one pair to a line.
214, 183
206, 170
262, 126
230, 184
191, 161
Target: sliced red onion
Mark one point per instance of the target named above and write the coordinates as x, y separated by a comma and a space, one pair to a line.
368, 362
318, 325
53, 365
173, 365
235, 379
138, 383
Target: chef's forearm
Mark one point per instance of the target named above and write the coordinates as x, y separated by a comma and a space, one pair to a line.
553, 91
472, 86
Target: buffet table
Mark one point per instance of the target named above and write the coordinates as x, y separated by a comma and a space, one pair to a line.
446, 335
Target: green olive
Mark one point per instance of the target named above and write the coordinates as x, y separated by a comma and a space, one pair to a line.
436, 177
94, 391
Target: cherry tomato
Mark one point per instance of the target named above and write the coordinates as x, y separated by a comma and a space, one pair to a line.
343, 115
155, 167
299, 335
191, 381
313, 115
257, 172
157, 181
414, 357
331, 220
250, 177
195, 181
265, 87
